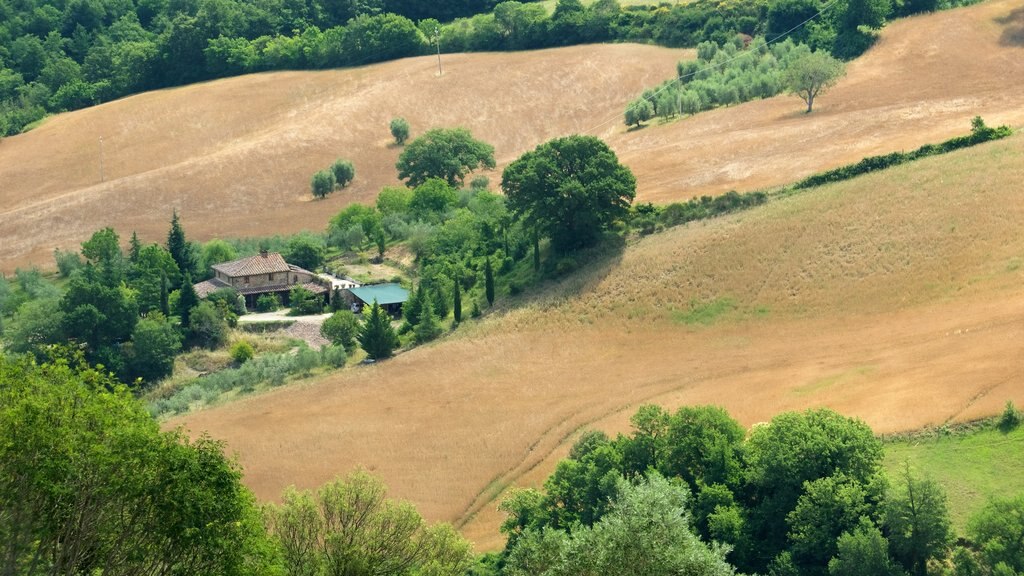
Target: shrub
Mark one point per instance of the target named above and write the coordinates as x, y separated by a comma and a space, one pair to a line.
341, 329
242, 352
303, 302
268, 303
206, 326
400, 130
67, 262
344, 172
1010, 419
333, 356
323, 183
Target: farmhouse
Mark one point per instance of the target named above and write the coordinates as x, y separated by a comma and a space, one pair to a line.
265, 273
389, 296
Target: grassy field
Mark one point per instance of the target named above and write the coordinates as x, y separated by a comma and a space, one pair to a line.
235, 156
972, 467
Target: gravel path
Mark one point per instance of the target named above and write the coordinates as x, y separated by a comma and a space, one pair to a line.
305, 327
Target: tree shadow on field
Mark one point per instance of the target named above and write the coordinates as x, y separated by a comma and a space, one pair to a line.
569, 276
1013, 32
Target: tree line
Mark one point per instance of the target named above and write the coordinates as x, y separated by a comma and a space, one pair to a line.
58, 55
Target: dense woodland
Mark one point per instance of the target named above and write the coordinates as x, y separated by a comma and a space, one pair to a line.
58, 55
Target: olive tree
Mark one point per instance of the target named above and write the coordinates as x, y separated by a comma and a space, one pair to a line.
571, 188
343, 171
811, 75
400, 130
323, 183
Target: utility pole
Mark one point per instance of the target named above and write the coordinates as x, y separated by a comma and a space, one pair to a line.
437, 39
101, 159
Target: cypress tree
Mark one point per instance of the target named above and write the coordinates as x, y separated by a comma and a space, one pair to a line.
187, 299
178, 246
489, 282
134, 248
428, 328
457, 302
376, 335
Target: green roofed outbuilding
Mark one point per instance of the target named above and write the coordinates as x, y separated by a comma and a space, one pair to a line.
391, 297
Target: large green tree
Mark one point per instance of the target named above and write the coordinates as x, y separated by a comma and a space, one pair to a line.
917, 519
180, 248
154, 344
572, 188
89, 484
445, 153
812, 75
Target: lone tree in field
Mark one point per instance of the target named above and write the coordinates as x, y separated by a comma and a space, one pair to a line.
812, 75
343, 171
639, 110
400, 130
323, 183
376, 335
571, 188
445, 153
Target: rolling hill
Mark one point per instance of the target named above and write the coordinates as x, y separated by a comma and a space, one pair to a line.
234, 156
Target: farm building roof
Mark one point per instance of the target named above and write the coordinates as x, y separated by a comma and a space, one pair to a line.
263, 263
382, 293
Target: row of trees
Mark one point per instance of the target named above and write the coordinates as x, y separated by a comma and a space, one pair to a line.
67, 55
802, 495
339, 175
736, 72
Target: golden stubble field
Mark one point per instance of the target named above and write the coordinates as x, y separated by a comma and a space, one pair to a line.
235, 156
896, 297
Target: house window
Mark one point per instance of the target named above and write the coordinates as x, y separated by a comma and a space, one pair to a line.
295, 278
246, 280
270, 277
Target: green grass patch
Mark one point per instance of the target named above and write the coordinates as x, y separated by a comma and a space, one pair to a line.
827, 382
704, 313
972, 466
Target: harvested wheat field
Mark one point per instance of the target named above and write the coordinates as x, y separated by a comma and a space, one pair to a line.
894, 297
235, 156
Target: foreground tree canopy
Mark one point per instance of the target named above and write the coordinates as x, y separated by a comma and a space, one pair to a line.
572, 189
89, 485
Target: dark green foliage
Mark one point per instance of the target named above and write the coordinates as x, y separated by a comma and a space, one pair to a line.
37, 324
341, 329
187, 300
457, 301
431, 200
376, 336
863, 552
428, 328
179, 248
979, 134
536, 252
997, 531
917, 521
146, 275
103, 251
305, 251
828, 507
344, 172
323, 183
88, 480
268, 303
304, 302
709, 207
571, 188
214, 252
400, 130
97, 314
476, 312
207, 328
1010, 418
445, 153
154, 344
489, 282
165, 292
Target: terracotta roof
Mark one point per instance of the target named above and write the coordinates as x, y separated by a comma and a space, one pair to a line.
207, 287
270, 263
311, 286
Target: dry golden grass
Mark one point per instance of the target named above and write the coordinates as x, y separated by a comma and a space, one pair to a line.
894, 297
235, 156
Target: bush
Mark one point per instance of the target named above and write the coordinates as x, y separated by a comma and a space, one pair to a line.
1010, 419
323, 183
67, 262
344, 172
333, 356
206, 327
242, 352
303, 302
400, 130
341, 329
268, 303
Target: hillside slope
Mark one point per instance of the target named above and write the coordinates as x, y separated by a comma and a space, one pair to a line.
235, 156
894, 297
